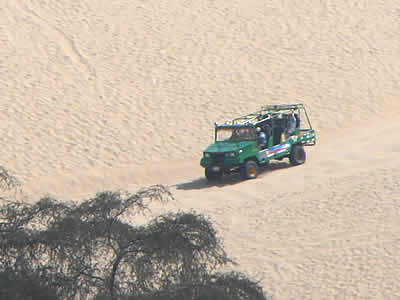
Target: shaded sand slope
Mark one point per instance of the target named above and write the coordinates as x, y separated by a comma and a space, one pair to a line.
120, 94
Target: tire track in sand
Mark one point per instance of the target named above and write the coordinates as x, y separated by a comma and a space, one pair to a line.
67, 44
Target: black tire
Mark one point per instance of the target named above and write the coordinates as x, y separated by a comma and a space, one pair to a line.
297, 155
249, 170
213, 175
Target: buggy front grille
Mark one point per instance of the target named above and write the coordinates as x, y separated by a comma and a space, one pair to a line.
218, 157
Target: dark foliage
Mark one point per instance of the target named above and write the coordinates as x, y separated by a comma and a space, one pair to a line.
66, 250
219, 286
28, 286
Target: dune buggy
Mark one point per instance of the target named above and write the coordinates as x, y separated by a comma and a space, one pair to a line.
237, 146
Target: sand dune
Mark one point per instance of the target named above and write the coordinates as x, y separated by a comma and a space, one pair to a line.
121, 94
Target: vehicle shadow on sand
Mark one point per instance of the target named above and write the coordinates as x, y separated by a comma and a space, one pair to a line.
274, 166
232, 179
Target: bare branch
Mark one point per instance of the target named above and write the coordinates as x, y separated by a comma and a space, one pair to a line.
8, 181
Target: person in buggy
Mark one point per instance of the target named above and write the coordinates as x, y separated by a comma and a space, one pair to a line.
291, 124
262, 138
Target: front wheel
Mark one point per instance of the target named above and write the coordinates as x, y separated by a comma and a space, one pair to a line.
297, 155
249, 170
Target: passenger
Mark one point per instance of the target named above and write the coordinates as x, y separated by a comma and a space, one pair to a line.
291, 124
235, 135
262, 138
268, 132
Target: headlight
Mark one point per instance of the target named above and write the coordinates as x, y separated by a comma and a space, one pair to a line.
230, 154
207, 154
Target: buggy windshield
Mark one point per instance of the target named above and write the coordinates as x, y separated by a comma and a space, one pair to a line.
235, 134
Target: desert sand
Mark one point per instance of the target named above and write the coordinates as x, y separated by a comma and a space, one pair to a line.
99, 95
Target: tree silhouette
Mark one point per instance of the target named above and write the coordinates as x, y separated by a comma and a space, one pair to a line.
93, 249
8, 181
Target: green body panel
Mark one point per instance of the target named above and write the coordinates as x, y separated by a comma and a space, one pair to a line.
231, 146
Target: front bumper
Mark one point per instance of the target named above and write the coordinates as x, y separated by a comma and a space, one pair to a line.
225, 164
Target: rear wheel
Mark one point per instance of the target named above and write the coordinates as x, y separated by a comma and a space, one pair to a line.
249, 170
212, 174
297, 155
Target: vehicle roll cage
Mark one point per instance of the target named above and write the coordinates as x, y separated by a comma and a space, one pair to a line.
266, 112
